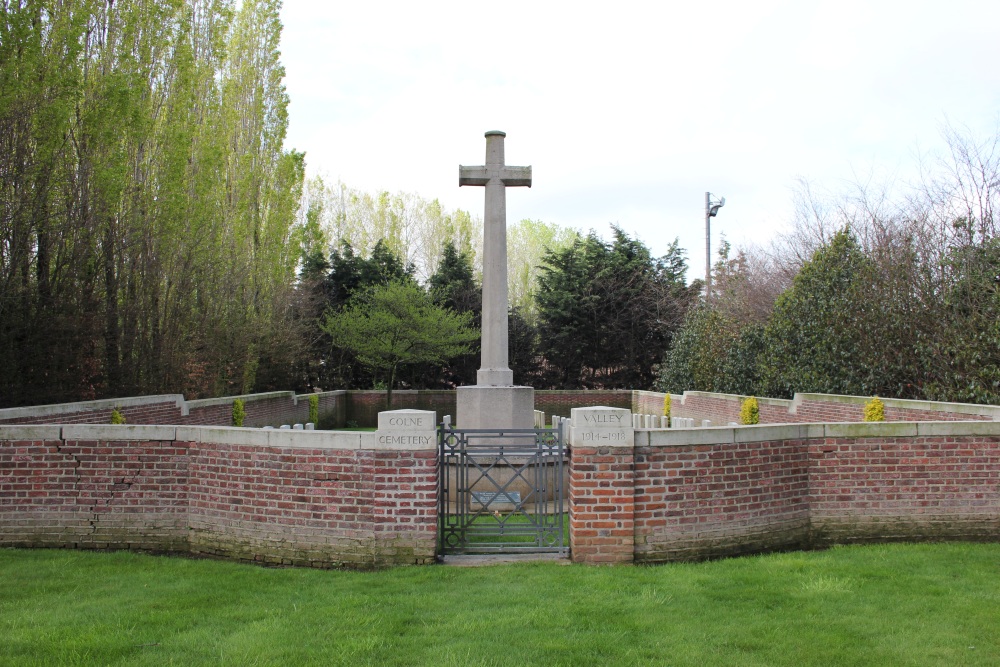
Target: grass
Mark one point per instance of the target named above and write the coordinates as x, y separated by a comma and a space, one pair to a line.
876, 605
514, 528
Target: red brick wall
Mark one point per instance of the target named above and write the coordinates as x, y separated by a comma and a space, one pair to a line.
561, 403
701, 501
94, 495
649, 402
895, 488
813, 486
602, 489
273, 409
363, 406
286, 505
722, 409
166, 412
313, 507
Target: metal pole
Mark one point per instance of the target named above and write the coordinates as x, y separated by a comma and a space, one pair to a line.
708, 247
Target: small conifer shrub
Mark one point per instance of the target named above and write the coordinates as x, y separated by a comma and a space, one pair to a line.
314, 408
875, 410
117, 417
666, 407
239, 412
749, 411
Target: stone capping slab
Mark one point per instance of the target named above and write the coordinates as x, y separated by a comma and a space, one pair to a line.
780, 402
16, 432
260, 437
90, 406
772, 432
902, 404
118, 432
871, 430
713, 435
957, 429
246, 398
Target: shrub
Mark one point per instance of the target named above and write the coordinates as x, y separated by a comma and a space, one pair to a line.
666, 407
117, 417
314, 408
239, 412
875, 410
749, 411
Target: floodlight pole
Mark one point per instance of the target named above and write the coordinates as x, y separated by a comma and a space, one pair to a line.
708, 247
711, 210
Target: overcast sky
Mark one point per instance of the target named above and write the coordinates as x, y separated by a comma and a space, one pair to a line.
628, 112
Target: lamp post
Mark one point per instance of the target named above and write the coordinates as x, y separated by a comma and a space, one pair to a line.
711, 210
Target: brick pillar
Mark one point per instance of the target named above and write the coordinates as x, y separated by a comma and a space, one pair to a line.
602, 485
405, 486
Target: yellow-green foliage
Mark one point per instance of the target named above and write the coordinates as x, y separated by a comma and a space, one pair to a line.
239, 412
117, 417
749, 411
314, 408
666, 406
874, 410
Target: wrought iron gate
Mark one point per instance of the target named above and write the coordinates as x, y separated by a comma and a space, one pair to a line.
501, 491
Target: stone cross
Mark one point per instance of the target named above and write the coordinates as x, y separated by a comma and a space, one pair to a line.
496, 176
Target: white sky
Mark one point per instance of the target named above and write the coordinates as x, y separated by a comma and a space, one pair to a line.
629, 111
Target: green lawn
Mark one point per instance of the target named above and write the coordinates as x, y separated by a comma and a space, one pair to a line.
876, 605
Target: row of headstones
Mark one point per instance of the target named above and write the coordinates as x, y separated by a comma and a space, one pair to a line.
638, 421
656, 421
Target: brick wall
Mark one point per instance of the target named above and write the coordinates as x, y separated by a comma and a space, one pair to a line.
721, 409
269, 409
363, 407
561, 403
337, 408
74, 491
142, 410
938, 482
304, 498
726, 491
701, 501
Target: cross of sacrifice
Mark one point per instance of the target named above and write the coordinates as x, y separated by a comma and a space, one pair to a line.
497, 177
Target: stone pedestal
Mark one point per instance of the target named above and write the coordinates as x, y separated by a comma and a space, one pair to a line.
495, 407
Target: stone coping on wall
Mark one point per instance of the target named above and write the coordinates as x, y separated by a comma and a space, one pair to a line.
92, 406
900, 403
721, 435
780, 402
792, 405
392, 439
177, 399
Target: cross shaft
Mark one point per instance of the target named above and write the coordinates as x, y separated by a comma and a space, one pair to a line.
496, 177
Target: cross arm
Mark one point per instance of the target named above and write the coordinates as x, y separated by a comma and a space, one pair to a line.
472, 175
516, 176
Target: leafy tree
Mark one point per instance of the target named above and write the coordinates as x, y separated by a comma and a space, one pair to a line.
527, 242
695, 361
814, 341
453, 286
146, 221
396, 325
608, 310
964, 355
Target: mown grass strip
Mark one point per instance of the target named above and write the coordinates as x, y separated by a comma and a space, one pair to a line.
875, 605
